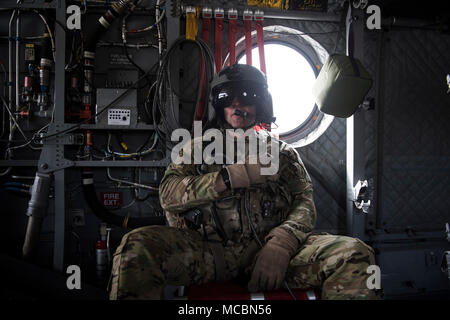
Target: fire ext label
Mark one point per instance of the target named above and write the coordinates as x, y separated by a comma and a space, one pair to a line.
111, 199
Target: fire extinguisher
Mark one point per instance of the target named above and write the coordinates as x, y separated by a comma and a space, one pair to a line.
101, 253
101, 258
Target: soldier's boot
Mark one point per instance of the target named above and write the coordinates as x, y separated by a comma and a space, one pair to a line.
148, 258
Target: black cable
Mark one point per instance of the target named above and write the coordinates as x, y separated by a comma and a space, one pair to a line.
49, 17
125, 50
164, 91
130, 59
145, 142
136, 189
146, 102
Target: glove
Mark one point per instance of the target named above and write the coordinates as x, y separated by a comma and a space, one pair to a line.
272, 261
245, 175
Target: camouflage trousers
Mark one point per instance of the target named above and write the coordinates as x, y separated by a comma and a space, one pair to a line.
152, 257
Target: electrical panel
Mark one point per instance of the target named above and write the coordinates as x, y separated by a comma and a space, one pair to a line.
122, 112
77, 99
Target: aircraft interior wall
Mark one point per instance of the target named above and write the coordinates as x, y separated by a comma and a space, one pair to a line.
399, 141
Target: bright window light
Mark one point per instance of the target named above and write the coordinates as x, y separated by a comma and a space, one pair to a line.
290, 78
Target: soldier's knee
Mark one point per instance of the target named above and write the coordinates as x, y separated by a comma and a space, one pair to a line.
143, 231
359, 251
141, 240
147, 233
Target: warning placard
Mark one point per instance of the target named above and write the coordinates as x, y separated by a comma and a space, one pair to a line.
111, 199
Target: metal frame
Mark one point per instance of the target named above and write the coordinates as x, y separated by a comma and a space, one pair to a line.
60, 176
52, 159
355, 132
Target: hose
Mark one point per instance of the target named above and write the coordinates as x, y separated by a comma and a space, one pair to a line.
37, 208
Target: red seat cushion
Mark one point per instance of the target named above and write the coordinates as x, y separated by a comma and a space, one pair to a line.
229, 290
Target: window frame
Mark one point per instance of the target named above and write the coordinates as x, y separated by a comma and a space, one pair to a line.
307, 131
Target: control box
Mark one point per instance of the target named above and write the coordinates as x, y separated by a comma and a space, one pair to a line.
123, 112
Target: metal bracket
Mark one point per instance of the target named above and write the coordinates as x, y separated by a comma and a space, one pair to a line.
52, 159
359, 192
63, 138
368, 104
52, 155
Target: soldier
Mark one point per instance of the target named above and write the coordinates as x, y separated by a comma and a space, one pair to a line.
230, 221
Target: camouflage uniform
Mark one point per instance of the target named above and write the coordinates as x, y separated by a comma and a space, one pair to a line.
151, 257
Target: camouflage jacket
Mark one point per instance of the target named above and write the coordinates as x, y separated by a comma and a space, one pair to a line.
285, 200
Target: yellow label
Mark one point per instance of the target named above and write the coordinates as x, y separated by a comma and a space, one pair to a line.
277, 4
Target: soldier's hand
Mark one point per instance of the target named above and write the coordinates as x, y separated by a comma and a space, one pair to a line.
247, 174
270, 268
272, 260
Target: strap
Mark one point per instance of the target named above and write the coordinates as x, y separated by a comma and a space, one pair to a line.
354, 66
259, 18
206, 23
219, 260
342, 24
350, 41
232, 30
225, 177
206, 28
191, 23
219, 227
216, 244
218, 16
247, 15
349, 33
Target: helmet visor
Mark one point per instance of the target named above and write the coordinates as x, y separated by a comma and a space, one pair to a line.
246, 94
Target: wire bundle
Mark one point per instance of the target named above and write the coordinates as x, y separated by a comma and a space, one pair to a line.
165, 95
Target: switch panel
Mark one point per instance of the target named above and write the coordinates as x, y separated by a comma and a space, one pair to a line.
119, 117
122, 112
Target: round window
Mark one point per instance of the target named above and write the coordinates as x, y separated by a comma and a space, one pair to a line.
293, 61
290, 81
